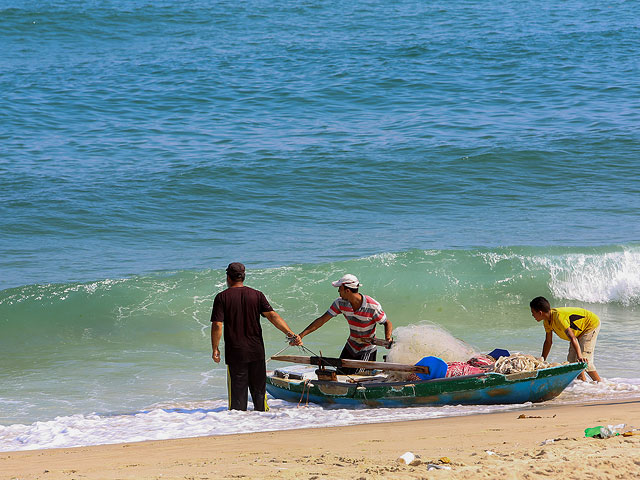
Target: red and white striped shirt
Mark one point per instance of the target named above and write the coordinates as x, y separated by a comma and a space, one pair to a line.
362, 322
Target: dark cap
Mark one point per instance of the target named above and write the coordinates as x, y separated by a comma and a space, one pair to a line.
235, 270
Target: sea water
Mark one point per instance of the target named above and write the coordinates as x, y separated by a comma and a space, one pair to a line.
459, 157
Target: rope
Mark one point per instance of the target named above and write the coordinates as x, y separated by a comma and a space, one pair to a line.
305, 385
287, 346
313, 354
278, 353
305, 349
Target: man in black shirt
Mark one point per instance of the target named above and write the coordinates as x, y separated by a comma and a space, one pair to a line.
238, 308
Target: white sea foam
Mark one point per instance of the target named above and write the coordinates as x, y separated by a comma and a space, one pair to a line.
386, 258
207, 419
598, 278
586, 277
413, 342
212, 418
611, 388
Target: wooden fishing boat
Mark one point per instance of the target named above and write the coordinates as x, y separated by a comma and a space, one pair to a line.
322, 386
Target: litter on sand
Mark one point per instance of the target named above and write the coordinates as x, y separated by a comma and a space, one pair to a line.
522, 415
602, 431
409, 458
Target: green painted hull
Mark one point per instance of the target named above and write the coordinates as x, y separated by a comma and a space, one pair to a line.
490, 388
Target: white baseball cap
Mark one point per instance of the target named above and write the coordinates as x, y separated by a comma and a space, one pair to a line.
347, 280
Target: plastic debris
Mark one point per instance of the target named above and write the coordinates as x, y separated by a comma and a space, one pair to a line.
605, 432
444, 460
547, 442
434, 466
489, 452
408, 458
592, 431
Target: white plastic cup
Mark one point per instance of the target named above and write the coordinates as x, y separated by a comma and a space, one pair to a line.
407, 458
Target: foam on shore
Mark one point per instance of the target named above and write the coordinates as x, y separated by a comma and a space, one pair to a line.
212, 418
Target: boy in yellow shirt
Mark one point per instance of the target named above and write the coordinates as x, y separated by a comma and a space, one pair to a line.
577, 325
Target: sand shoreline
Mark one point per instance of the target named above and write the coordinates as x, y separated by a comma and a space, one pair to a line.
548, 442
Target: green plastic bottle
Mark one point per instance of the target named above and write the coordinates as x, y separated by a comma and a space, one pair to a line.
593, 431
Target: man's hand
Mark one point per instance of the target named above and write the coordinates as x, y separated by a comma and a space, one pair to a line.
295, 340
216, 335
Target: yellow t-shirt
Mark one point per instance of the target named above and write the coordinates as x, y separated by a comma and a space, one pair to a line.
578, 319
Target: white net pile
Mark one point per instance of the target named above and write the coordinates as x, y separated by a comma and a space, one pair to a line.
520, 362
413, 342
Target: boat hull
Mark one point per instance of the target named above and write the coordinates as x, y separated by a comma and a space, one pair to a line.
486, 389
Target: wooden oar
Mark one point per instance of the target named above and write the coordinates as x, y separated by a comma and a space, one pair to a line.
343, 362
381, 342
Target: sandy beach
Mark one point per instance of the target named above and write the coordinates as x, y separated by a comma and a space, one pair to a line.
541, 442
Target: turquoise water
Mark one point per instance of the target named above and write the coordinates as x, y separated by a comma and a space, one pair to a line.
114, 346
460, 157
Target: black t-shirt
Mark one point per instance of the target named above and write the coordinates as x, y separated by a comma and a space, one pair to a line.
239, 309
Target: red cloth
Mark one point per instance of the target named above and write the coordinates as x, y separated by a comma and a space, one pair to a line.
481, 360
458, 369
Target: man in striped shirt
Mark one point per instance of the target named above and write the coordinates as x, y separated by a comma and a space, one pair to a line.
362, 312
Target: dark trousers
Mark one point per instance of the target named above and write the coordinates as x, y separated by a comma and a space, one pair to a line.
348, 354
251, 376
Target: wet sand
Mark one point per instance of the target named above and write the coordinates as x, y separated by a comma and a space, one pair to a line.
548, 442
